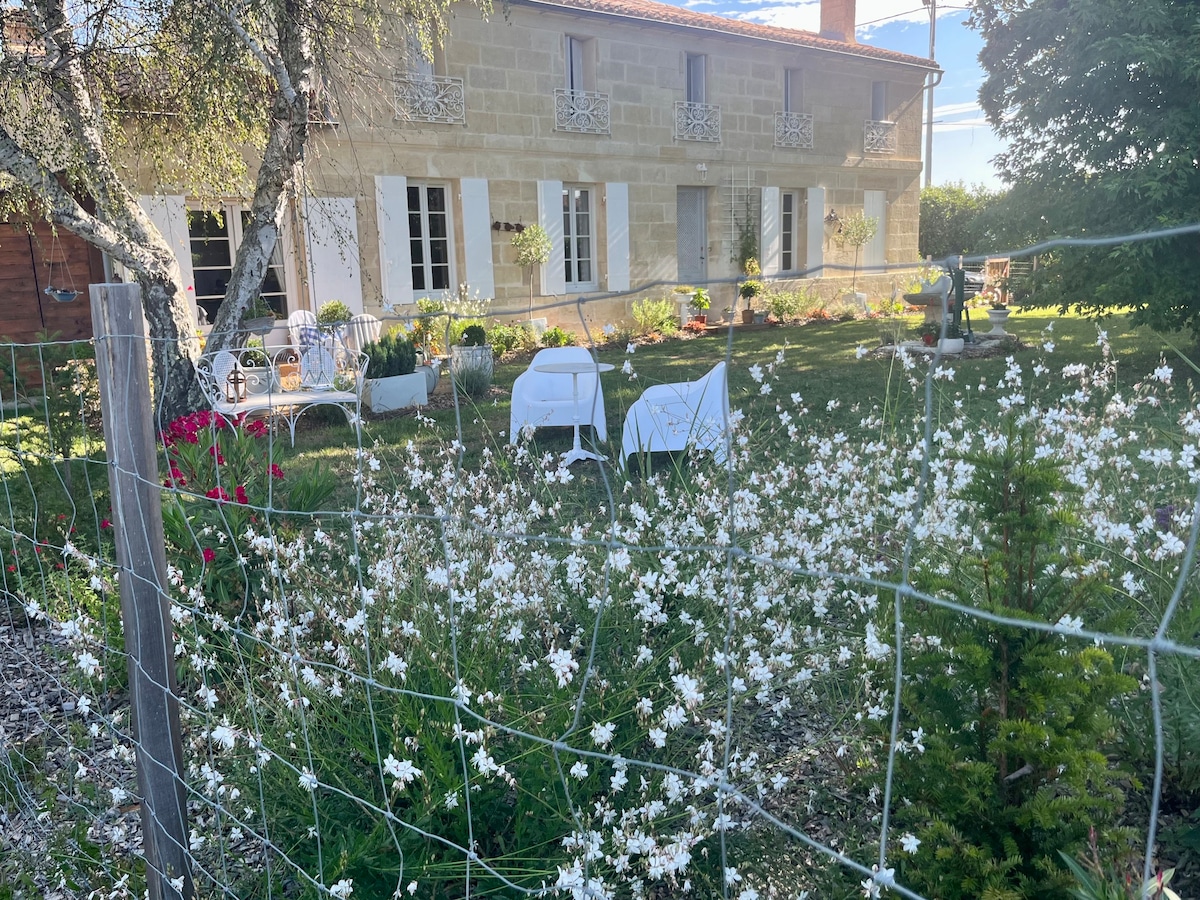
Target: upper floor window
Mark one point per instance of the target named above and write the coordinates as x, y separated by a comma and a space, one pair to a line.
422, 56
793, 90
578, 237
581, 69
215, 236
429, 237
879, 101
696, 88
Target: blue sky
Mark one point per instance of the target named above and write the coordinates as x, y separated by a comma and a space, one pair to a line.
963, 142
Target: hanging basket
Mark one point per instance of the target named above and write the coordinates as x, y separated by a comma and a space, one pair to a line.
62, 295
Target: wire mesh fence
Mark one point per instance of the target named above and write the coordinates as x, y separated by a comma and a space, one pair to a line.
923, 623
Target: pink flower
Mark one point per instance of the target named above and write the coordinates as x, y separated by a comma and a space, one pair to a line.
209, 554
276, 472
240, 493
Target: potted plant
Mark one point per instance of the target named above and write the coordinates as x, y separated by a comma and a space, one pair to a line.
259, 318
393, 381
997, 312
857, 231
533, 247
953, 341
929, 332
701, 302
256, 366
472, 362
332, 317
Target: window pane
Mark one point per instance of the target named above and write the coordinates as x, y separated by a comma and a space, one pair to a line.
437, 199
585, 270
437, 227
439, 252
441, 278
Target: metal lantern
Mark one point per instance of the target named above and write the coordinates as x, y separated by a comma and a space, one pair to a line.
235, 385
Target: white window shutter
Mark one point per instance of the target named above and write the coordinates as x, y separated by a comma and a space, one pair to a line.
477, 236
875, 207
395, 253
331, 238
550, 217
616, 219
772, 231
169, 215
814, 261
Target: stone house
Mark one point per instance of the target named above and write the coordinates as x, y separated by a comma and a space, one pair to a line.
657, 145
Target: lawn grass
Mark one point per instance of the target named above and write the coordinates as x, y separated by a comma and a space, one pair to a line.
821, 364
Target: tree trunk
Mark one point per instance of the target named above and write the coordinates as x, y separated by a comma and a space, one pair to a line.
278, 174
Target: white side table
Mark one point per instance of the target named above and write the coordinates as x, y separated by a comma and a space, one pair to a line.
575, 369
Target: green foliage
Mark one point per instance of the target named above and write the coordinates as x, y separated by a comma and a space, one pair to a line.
701, 300
532, 245
857, 230
655, 316
557, 337
950, 220
750, 289
787, 306
1096, 100
474, 335
259, 309
333, 312
430, 326
509, 338
224, 480
1005, 767
393, 354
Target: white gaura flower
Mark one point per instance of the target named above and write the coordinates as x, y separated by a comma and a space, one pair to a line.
562, 665
342, 889
308, 780
602, 734
909, 843
402, 770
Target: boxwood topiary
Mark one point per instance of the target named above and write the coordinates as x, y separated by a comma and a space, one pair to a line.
392, 354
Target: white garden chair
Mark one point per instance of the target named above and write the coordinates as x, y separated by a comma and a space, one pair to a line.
302, 328
541, 399
361, 330
690, 414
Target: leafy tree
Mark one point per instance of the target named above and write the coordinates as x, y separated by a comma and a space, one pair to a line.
533, 249
950, 215
857, 230
1097, 101
95, 93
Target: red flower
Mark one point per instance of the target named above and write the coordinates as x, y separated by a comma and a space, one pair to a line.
276, 472
209, 554
217, 493
240, 493
12, 568
257, 428
104, 523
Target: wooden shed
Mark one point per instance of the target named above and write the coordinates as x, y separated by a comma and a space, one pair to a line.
33, 257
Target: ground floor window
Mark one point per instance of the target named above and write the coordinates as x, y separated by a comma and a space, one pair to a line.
578, 237
429, 237
215, 236
788, 205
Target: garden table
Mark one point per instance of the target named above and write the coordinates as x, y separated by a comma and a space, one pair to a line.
575, 369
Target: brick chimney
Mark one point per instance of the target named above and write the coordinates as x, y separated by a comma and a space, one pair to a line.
837, 20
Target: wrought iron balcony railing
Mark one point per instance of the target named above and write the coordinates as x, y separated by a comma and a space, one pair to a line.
794, 130
880, 137
697, 121
581, 111
431, 99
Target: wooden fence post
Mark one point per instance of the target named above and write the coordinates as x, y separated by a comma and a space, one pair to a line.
130, 443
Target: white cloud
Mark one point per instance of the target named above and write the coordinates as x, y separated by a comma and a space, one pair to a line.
955, 109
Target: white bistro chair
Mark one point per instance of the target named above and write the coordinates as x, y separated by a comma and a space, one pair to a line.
541, 399
302, 329
691, 414
361, 330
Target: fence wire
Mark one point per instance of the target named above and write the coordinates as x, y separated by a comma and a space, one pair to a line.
417, 660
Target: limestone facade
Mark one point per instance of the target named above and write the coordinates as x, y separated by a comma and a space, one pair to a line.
678, 141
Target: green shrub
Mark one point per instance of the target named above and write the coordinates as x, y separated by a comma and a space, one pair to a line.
508, 338
333, 312
557, 337
787, 306
1006, 767
474, 335
392, 354
655, 316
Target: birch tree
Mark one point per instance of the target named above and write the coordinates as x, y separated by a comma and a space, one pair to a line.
92, 91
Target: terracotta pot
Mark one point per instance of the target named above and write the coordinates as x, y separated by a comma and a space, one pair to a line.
747, 316
700, 319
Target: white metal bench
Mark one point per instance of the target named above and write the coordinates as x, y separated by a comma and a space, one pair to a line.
328, 374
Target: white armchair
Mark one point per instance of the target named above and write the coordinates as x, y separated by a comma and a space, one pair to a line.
679, 416
361, 330
541, 399
302, 328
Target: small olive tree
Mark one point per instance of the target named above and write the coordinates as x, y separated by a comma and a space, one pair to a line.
856, 231
533, 249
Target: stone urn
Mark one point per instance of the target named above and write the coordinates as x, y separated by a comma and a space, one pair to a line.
997, 318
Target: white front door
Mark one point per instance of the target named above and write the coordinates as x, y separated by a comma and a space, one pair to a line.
691, 234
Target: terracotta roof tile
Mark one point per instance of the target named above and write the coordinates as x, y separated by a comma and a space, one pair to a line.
649, 11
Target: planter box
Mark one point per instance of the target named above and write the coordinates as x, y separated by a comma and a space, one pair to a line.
259, 379
396, 392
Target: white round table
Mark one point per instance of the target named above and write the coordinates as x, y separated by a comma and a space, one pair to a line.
575, 369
